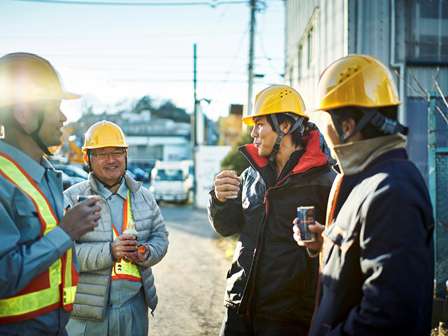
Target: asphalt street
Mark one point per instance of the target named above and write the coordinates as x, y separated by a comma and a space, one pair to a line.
190, 280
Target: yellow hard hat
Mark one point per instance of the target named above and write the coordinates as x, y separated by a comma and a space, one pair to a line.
104, 134
356, 80
27, 78
276, 99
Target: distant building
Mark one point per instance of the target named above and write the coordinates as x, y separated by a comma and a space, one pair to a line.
149, 138
230, 127
409, 36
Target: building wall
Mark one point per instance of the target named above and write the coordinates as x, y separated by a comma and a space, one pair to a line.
316, 36
383, 29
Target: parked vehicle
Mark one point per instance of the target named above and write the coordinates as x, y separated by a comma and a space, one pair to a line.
172, 181
71, 174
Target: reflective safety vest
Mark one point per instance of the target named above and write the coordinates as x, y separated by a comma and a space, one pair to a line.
124, 269
43, 294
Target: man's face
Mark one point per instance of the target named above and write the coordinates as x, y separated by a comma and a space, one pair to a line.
108, 163
51, 129
263, 136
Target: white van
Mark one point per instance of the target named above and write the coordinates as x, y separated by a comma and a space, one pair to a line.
172, 181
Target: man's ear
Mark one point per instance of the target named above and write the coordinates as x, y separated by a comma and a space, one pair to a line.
285, 127
348, 126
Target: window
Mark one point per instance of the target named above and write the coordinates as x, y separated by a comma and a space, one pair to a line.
300, 62
427, 31
309, 43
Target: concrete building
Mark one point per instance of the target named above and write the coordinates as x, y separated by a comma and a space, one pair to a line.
149, 138
409, 36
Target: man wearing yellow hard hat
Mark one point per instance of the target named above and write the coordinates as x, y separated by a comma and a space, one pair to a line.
38, 273
271, 283
116, 284
377, 272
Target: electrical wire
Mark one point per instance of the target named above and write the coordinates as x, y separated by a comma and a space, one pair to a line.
139, 4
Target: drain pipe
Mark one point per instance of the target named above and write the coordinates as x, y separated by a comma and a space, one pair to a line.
402, 117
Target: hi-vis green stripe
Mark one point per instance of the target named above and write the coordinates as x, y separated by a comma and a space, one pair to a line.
34, 301
17, 177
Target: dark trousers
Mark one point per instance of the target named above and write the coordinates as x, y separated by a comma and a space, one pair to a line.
239, 325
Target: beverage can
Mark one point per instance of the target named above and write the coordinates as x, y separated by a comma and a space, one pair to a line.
305, 217
82, 198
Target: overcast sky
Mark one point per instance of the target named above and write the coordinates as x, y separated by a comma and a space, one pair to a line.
116, 53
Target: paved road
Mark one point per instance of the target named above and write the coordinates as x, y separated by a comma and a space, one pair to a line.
190, 280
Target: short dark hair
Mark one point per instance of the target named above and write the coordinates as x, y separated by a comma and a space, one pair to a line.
356, 113
296, 136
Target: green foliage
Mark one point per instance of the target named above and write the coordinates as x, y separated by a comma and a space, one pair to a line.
166, 110
234, 159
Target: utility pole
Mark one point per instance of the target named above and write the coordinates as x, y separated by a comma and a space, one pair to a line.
194, 121
250, 67
195, 98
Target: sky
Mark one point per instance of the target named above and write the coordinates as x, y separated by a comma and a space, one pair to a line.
116, 53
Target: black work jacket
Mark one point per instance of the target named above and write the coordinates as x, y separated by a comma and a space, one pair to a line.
271, 276
378, 263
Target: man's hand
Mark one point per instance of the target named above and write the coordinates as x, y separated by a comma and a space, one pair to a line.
227, 185
82, 218
124, 246
140, 255
317, 229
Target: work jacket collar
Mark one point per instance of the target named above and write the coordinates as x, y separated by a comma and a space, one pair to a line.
354, 157
32, 168
312, 156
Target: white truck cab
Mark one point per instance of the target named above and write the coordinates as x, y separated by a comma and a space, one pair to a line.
172, 181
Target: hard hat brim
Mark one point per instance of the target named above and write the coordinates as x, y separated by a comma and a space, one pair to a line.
70, 95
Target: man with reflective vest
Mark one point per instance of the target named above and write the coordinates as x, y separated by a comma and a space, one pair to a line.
271, 283
38, 275
377, 272
116, 285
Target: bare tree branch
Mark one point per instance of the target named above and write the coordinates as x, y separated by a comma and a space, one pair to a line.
442, 95
444, 116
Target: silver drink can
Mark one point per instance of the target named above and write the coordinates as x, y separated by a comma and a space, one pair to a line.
305, 217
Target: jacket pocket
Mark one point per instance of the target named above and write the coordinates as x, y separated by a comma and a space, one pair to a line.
27, 220
91, 296
337, 244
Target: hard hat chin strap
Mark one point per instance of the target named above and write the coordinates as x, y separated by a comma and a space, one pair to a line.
110, 186
386, 125
298, 124
35, 135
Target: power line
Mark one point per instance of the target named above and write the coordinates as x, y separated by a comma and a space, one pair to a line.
212, 3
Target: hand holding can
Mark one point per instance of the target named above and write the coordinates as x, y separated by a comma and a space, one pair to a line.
227, 185
305, 218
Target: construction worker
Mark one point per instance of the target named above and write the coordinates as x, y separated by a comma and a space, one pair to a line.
38, 274
271, 283
116, 284
377, 272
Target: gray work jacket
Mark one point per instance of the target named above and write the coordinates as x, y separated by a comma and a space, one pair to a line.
94, 254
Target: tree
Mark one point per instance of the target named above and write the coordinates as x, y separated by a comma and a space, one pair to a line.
144, 103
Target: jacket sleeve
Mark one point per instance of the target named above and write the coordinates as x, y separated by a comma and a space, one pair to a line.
158, 238
225, 217
20, 262
92, 256
396, 264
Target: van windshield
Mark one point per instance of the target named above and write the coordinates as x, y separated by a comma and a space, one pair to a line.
169, 175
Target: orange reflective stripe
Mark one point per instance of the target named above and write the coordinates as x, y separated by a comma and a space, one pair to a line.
17, 176
29, 302
32, 302
124, 269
